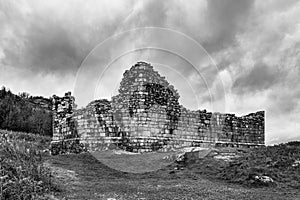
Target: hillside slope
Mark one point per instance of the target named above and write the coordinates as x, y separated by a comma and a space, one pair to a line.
279, 164
25, 113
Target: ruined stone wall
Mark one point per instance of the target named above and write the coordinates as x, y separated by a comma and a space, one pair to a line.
146, 116
65, 135
63, 123
217, 128
98, 126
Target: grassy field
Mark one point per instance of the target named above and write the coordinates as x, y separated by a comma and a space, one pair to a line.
29, 173
84, 177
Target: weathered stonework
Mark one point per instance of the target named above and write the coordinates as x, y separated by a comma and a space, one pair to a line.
146, 116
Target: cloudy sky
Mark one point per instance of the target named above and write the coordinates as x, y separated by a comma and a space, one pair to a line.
235, 56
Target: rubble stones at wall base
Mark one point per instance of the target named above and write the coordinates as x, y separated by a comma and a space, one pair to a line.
67, 146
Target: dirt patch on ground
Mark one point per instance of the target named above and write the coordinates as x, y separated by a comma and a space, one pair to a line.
134, 163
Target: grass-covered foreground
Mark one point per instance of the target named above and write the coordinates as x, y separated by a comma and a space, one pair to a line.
28, 173
84, 177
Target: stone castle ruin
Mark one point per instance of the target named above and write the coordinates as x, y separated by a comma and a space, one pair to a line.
146, 116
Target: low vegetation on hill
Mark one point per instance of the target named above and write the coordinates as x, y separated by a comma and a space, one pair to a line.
22, 173
274, 166
25, 113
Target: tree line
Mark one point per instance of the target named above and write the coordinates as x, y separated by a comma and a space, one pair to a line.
25, 113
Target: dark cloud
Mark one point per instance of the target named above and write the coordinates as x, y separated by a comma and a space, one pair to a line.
57, 42
260, 77
52, 39
225, 19
51, 48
